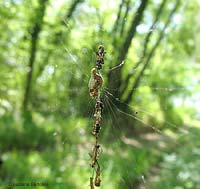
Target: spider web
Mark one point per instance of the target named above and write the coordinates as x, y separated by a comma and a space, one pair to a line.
128, 150
124, 155
157, 138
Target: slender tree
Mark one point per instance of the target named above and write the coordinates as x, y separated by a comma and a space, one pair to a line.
151, 53
37, 27
117, 22
58, 38
40, 12
114, 77
128, 5
145, 46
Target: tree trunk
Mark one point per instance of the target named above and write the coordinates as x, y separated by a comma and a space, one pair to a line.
33, 49
140, 75
114, 77
145, 46
57, 37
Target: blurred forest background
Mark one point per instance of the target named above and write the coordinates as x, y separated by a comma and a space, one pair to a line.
150, 131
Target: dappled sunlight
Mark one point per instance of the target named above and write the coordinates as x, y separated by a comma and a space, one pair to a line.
129, 119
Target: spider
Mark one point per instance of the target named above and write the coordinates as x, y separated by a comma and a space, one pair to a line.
95, 83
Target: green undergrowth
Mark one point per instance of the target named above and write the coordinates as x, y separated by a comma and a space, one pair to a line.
55, 151
181, 168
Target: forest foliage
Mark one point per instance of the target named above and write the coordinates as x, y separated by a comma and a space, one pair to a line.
47, 51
